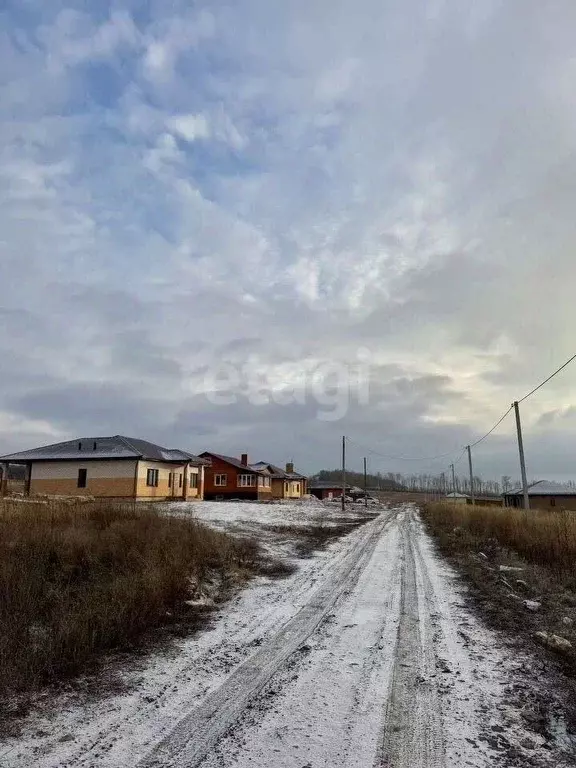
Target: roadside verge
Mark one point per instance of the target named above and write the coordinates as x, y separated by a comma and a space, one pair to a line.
519, 569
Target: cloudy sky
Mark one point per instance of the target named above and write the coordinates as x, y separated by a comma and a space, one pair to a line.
257, 226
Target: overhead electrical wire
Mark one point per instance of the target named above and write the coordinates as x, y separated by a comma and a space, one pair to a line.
459, 459
399, 458
472, 445
567, 363
492, 430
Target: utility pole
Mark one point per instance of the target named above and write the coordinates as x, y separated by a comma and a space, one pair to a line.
521, 453
343, 473
4, 481
453, 479
471, 475
365, 485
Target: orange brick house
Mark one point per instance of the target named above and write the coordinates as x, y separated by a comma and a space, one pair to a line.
226, 477
110, 467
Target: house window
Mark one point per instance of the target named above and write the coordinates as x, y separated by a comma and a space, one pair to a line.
220, 480
264, 482
152, 478
552, 502
170, 479
180, 482
297, 487
193, 479
82, 478
246, 481
287, 487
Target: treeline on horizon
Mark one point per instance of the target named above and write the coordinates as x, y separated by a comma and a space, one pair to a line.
427, 483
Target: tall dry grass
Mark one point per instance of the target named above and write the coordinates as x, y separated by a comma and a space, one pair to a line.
547, 539
81, 578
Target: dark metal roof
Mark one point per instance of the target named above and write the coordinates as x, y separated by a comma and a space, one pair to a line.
116, 447
234, 462
326, 485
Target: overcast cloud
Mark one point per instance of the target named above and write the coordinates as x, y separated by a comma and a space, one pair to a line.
190, 191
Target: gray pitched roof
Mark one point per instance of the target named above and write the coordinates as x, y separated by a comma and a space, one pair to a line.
116, 447
545, 488
326, 484
234, 462
279, 473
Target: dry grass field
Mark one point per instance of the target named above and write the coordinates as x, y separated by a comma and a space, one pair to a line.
77, 579
547, 539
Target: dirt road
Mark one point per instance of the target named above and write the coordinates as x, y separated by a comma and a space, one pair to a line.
367, 657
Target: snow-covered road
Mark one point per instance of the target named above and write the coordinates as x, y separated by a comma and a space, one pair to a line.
367, 656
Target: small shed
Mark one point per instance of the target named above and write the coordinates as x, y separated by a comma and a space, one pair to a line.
457, 498
327, 489
544, 495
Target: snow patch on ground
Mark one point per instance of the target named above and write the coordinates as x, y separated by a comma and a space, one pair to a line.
230, 515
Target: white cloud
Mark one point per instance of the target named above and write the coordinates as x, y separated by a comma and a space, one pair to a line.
73, 38
319, 178
190, 127
170, 37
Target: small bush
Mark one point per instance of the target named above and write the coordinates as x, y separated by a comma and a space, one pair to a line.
76, 579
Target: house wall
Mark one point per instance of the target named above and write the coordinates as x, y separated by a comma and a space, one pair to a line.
106, 478
231, 489
163, 490
288, 489
546, 502
110, 479
295, 489
278, 488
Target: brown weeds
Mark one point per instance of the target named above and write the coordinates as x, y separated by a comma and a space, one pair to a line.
76, 579
547, 539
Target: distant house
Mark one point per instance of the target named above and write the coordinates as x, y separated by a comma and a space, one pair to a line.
327, 489
286, 484
457, 498
115, 467
229, 478
543, 495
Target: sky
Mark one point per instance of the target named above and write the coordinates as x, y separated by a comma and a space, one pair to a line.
257, 226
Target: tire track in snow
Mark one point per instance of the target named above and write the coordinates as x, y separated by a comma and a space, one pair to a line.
372, 676
197, 733
412, 735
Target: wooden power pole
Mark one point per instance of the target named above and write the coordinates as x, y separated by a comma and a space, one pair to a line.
471, 474
521, 454
343, 473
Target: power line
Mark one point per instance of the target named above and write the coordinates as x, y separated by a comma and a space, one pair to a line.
548, 379
472, 445
459, 459
399, 458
